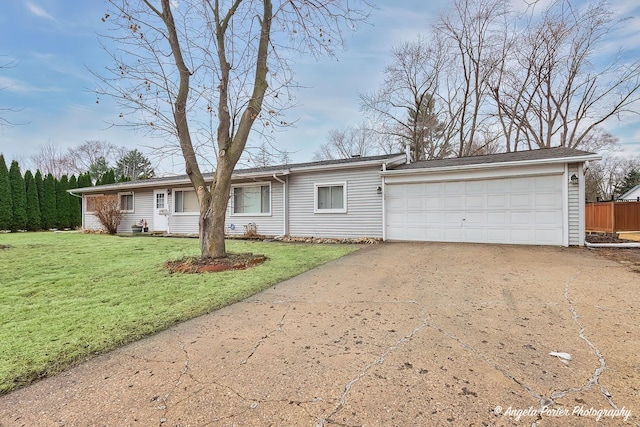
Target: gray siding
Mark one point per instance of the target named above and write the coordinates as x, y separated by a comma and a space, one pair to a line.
272, 225
364, 205
574, 207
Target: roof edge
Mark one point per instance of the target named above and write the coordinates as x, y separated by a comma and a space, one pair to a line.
572, 159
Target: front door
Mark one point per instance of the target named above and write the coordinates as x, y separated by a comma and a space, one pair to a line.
160, 210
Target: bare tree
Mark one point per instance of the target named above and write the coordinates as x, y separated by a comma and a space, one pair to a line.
89, 153
405, 106
360, 140
604, 177
475, 31
205, 71
108, 211
50, 159
6, 63
552, 91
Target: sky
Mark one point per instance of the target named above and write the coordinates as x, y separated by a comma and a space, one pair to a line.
54, 44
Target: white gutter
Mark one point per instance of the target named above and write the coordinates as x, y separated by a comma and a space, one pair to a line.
515, 163
285, 208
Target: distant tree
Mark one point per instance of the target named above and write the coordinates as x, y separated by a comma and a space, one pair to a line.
75, 205
33, 203
109, 177
360, 140
604, 178
62, 202
134, 165
51, 160
107, 210
98, 168
18, 197
630, 180
91, 153
6, 208
48, 208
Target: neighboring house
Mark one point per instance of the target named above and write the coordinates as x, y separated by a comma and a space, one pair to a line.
529, 197
631, 195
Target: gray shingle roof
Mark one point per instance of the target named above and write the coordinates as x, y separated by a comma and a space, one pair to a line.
541, 154
157, 182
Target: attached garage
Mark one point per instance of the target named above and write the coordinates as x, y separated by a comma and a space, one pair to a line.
511, 198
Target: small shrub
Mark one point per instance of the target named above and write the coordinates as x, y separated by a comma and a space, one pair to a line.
107, 210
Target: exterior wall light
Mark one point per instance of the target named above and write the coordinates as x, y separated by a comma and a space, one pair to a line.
574, 179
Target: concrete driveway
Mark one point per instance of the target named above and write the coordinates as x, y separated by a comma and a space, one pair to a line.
395, 335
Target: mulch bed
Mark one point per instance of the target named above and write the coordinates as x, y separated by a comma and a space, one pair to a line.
626, 256
606, 238
207, 265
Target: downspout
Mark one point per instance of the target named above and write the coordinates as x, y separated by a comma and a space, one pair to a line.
285, 209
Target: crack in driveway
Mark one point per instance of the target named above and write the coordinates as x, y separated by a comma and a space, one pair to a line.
595, 377
261, 340
543, 401
380, 360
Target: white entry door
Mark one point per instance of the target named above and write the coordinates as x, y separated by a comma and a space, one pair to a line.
160, 210
520, 210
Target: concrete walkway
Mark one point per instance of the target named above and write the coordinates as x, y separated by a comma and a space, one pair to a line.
394, 335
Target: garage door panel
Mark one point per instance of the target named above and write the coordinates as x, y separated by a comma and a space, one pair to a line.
474, 202
521, 201
550, 200
524, 210
495, 201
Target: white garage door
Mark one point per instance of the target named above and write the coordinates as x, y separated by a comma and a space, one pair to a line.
524, 210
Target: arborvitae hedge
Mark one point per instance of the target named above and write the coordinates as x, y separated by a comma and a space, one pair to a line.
75, 205
48, 208
6, 209
40, 187
18, 198
33, 204
62, 202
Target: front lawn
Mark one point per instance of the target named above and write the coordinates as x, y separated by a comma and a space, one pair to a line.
68, 296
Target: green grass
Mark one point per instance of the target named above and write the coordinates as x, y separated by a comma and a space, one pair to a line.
65, 297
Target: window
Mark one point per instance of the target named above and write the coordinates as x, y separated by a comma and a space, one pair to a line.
126, 202
252, 199
160, 200
185, 201
331, 198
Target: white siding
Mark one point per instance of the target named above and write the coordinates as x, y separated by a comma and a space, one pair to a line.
574, 207
184, 223
142, 210
364, 205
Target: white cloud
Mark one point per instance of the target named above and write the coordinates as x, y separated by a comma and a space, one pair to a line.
38, 11
17, 86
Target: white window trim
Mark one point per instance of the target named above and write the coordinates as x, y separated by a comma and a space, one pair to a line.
251, 184
133, 197
87, 196
330, 184
173, 202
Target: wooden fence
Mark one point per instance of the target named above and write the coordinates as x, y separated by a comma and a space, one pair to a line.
611, 217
